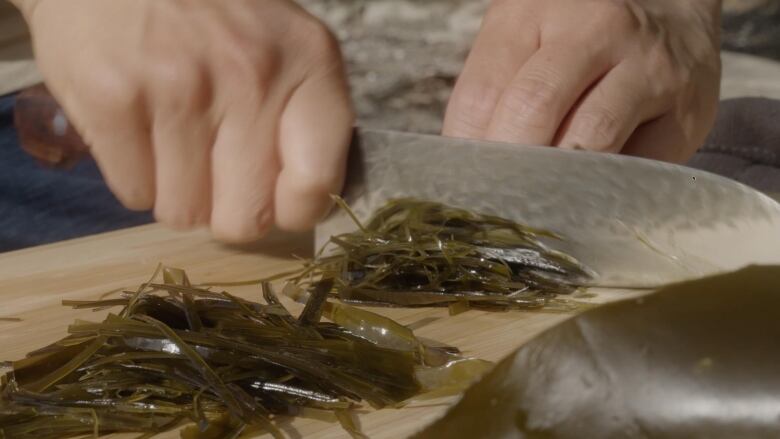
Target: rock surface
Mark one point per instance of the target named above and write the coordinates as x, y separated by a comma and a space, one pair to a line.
403, 56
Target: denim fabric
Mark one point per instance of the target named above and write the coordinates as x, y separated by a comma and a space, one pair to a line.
40, 205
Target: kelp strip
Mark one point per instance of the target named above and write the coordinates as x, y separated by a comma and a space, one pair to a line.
697, 359
177, 353
418, 253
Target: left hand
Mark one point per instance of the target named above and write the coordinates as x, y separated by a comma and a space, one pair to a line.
639, 77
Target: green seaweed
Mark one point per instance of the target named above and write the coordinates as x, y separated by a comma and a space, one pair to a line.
176, 353
697, 359
419, 253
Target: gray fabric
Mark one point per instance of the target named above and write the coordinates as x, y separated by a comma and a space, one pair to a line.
745, 143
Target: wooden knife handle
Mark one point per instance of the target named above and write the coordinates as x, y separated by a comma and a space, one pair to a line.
44, 131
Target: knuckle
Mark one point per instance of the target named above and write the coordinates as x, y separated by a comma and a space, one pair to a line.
509, 14
315, 40
138, 197
171, 69
665, 78
659, 60
318, 36
609, 27
248, 59
110, 89
598, 130
535, 96
178, 82
263, 62
618, 14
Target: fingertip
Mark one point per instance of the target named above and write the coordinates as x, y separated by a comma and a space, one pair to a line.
127, 165
569, 145
664, 139
181, 218
236, 229
303, 201
136, 197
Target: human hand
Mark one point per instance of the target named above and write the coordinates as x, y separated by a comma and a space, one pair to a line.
234, 114
639, 77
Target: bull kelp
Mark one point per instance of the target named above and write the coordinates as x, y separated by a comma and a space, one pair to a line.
175, 353
697, 359
419, 253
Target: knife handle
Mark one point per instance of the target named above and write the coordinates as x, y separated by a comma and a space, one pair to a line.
44, 131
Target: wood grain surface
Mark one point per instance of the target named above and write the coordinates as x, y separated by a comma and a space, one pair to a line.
34, 281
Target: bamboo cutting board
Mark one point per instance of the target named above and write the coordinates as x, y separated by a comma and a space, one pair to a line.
34, 281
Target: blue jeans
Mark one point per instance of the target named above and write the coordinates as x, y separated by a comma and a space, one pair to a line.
40, 205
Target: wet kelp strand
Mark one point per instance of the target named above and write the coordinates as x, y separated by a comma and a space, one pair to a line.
420, 253
176, 353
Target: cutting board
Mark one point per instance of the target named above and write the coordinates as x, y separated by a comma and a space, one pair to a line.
34, 281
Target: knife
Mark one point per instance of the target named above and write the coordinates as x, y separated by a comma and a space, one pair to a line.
636, 223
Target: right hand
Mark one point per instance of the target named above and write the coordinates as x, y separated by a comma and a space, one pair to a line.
232, 113
638, 77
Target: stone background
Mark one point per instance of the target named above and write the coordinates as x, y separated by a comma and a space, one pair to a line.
403, 56
752, 26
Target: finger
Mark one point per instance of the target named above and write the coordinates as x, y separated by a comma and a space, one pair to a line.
679, 132
542, 93
662, 139
609, 112
183, 134
112, 119
498, 52
316, 127
244, 169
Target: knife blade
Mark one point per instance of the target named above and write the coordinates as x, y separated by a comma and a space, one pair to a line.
637, 223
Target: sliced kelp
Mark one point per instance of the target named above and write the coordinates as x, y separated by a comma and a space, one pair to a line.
419, 253
176, 353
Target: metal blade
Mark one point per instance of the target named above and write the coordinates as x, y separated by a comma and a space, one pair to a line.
636, 222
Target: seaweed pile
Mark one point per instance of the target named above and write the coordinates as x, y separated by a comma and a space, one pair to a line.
176, 354
419, 253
